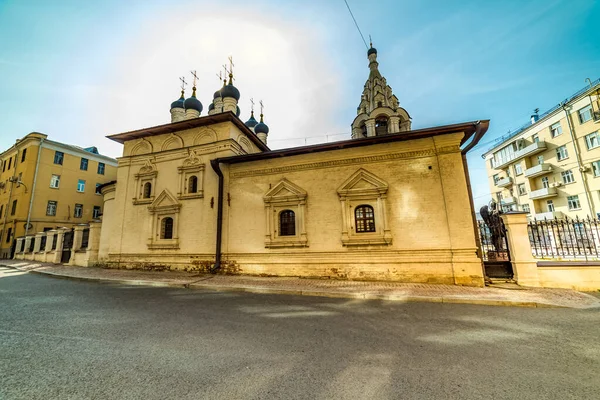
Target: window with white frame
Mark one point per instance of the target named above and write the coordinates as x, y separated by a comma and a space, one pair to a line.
55, 181
555, 129
496, 178
545, 184
518, 169
191, 178
585, 114
535, 138
592, 140
145, 183
98, 191
285, 208
51, 208
573, 202
567, 176
561, 153
522, 189
550, 205
540, 160
164, 212
96, 212
78, 213
596, 168
81, 185
525, 207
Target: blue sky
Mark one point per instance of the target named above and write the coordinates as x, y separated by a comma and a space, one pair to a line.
78, 71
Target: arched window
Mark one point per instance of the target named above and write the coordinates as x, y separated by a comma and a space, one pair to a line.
363, 129
364, 218
381, 126
193, 184
147, 190
166, 228
287, 223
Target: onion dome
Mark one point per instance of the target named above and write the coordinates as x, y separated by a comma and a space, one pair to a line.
251, 123
372, 50
178, 103
261, 127
218, 92
237, 111
229, 90
211, 106
192, 102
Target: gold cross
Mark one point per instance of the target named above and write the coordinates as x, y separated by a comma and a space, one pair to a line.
252, 102
195, 77
231, 65
261, 107
183, 83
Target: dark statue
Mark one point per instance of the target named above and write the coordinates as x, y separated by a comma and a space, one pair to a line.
491, 217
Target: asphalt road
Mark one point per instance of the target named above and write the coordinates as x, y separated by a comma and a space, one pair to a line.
62, 339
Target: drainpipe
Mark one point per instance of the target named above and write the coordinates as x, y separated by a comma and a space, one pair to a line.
579, 163
37, 167
215, 166
9, 199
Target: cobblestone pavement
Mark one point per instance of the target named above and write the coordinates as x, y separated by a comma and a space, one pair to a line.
508, 296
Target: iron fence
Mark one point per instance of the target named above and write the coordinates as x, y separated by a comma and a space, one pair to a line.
565, 238
486, 239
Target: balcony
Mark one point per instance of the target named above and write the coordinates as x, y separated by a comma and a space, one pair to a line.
507, 201
542, 193
533, 149
538, 170
549, 215
504, 182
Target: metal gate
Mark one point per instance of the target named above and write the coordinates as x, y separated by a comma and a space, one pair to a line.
67, 246
495, 252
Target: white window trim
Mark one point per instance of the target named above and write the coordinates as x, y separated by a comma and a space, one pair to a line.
165, 205
53, 180
82, 190
285, 196
558, 157
147, 173
373, 194
564, 174
191, 166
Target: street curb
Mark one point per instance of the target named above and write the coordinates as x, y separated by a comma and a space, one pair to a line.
310, 293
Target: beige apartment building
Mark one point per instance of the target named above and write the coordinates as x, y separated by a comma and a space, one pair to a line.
46, 184
550, 167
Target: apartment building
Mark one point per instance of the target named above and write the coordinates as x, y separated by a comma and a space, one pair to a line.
550, 167
46, 184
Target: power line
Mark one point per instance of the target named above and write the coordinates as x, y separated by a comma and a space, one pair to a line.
356, 23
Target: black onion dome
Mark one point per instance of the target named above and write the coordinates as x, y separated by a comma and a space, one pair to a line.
230, 91
211, 106
237, 111
261, 127
251, 123
178, 103
192, 102
372, 50
217, 94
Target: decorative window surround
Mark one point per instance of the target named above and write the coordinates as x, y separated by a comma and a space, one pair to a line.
147, 173
165, 205
364, 188
285, 196
191, 166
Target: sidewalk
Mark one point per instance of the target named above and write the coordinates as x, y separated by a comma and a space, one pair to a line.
406, 292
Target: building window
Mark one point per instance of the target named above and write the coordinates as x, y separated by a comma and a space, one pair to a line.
51, 208
59, 157
55, 181
596, 168
192, 184
540, 160
545, 184
8, 234
535, 138
567, 177
550, 205
555, 129
166, 228
3, 166
96, 212
101, 168
147, 190
592, 140
585, 114
23, 155
98, 191
573, 202
83, 165
1, 209
496, 178
518, 169
522, 190
9, 163
78, 211
13, 210
364, 218
81, 185
287, 223
561, 153
526, 208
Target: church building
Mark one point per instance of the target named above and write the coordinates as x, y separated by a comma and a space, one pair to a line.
207, 193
